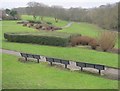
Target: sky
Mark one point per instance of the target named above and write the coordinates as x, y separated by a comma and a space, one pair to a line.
64, 3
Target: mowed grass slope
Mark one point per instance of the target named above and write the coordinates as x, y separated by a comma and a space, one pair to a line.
69, 53
17, 75
85, 29
60, 23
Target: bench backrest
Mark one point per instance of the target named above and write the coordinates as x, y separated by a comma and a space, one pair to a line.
96, 66
57, 60
66, 62
49, 59
80, 64
30, 55
23, 54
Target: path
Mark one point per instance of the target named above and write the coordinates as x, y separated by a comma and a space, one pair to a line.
68, 25
110, 73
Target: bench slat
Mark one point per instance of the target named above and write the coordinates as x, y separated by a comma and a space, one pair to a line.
23, 54
49, 59
30, 56
100, 67
57, 60
80, 64
37, 56
66, 62
90, 65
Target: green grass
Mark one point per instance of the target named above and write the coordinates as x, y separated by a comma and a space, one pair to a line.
84, 29
81, 28
76, 54
71, 53
46, 19
17, 75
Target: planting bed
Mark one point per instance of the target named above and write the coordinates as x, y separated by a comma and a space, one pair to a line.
39, 25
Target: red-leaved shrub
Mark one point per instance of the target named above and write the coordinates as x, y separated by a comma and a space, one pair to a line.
85, 40
94, 43
75, 40
25, 24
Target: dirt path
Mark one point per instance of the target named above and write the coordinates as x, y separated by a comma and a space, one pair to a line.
68, 25
109, 73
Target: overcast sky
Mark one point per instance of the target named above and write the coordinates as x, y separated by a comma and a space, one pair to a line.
64, 3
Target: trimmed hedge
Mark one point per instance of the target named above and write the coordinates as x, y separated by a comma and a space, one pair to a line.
43, 38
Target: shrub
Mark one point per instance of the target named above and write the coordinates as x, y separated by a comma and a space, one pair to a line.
31, 21
29, 25
44, 38
49, 23
37, 26
84, 40
34, 25
25, 24
75, 40
37, 22
57, 28
94, 43
107, 40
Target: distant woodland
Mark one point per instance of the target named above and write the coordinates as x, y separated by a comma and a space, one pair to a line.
105, 16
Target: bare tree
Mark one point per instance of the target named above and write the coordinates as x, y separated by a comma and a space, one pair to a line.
32, 9
105, 16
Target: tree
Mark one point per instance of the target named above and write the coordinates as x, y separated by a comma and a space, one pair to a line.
7, 11
33, 9
13, 13
105, 16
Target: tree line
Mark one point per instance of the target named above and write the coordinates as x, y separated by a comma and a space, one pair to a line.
105, 16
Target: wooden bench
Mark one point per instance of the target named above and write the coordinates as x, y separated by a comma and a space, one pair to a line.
96, 66
65, 62
51, 60
25, 55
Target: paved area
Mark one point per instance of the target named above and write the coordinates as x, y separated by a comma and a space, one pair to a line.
68, 25
110, 73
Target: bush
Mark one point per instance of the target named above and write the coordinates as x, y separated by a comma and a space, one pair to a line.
94, 43
25, 24
49, 23
75, 40
37, 26
84, 40
107, 40
29, 25
43, 38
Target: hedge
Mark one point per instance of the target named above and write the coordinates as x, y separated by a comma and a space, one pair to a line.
42, 38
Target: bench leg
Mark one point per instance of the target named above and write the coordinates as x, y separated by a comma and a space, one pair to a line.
25, 58
38, 60
51, 63
99, 72
81, 68
65, 66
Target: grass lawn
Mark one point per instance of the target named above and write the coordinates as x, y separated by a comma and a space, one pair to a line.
70, 53
42, 76
81, 28
60, 23
84, 29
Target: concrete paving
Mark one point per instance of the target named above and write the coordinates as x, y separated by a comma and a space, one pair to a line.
68, 25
